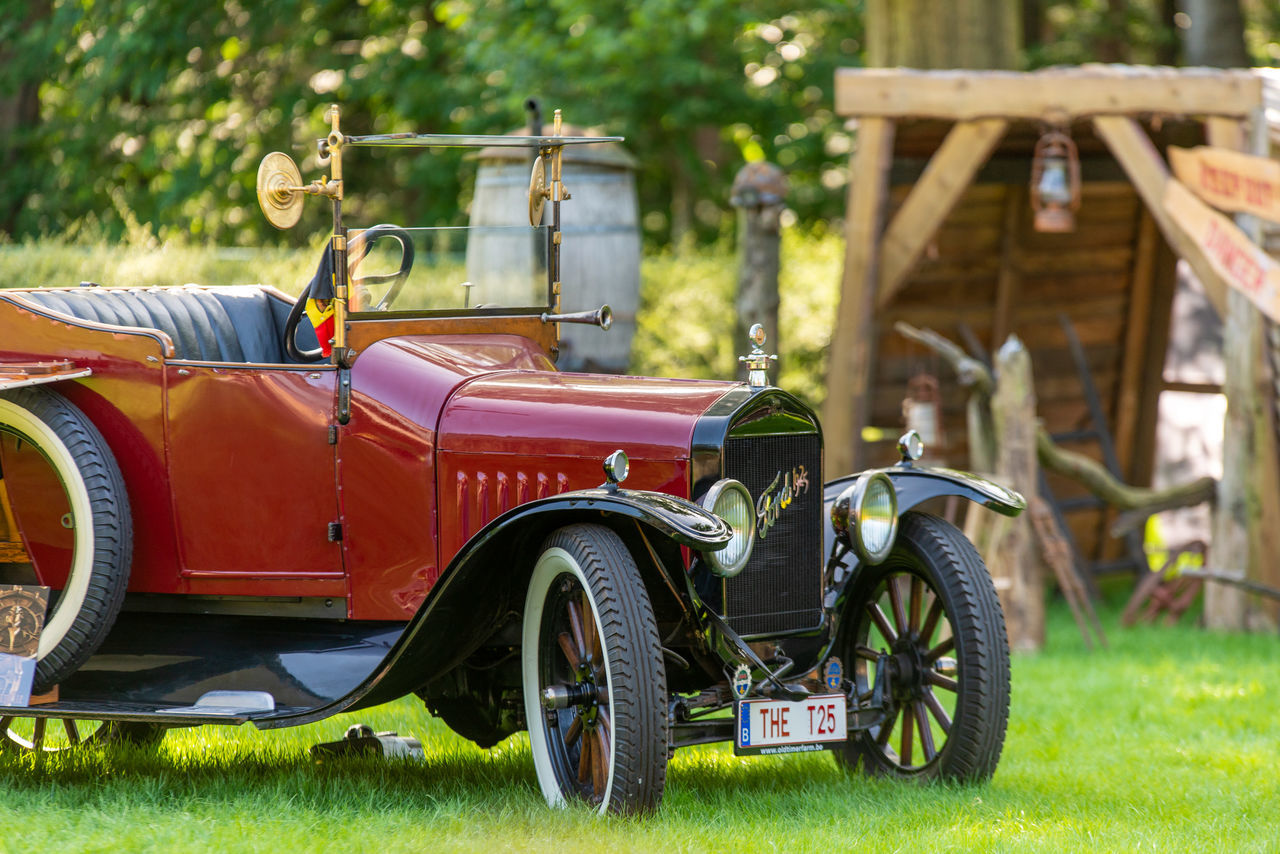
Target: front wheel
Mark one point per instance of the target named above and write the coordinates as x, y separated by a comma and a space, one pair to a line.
595, 687
931, 612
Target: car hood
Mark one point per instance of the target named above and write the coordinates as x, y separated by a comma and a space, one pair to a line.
499, 395
545, 413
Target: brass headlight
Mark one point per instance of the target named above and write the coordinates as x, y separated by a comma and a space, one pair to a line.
730, 500
865, 517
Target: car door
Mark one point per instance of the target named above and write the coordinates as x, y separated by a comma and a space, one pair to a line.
252, 468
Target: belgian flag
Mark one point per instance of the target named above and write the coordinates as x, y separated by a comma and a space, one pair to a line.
320, 295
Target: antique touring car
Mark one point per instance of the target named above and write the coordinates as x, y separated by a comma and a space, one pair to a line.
244, 522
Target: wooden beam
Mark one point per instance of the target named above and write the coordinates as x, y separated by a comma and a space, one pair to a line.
944, 180
1009, 277
1053, 95
1144, 166
1160, 318
1137, 323
850, 363
1225, 133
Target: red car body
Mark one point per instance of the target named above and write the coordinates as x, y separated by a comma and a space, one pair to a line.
236, 530
234, 480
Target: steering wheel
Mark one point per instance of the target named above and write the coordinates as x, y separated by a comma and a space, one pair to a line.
359, 248
356, 251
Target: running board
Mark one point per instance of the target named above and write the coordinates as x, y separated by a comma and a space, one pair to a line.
192, 669
123, 711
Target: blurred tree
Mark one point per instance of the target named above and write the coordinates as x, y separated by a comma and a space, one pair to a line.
1070, 32
19, 100
1213, 33
956, 34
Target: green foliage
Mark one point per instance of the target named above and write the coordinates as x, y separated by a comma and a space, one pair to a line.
1072, 32
159, 110
686, 318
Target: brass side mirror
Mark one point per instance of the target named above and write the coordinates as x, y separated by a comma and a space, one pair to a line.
280, 190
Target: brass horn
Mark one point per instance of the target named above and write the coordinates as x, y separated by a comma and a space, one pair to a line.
602, 317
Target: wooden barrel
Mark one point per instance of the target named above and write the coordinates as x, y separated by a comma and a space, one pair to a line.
600, 247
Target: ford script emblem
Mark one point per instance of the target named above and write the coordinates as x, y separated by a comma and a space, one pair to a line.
778, 496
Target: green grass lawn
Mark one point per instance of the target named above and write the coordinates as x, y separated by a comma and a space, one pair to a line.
1165, 742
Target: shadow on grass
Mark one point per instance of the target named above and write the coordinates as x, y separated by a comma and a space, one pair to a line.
255, 776
237, 774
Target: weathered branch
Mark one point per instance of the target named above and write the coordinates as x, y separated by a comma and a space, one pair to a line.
1142, 502
976, 377
1138, 502
972, 373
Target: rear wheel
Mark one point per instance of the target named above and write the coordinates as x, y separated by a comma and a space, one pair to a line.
931, 611
54, 735
69, 498
594, 681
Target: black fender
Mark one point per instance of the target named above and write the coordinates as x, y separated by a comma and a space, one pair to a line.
916, 484
484, 584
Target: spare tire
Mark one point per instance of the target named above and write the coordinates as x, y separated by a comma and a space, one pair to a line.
95, 510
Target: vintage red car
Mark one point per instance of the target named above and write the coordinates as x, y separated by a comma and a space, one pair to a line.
238, 528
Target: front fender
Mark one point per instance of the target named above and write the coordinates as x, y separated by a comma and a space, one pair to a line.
484, 585
916, 484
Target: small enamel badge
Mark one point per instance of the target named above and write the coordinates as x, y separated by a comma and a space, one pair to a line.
833, 673
741, 681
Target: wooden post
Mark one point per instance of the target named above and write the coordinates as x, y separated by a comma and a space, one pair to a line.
1012, 558
759, 193
849, 364
1248, 510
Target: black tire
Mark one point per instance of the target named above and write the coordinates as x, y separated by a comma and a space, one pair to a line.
589, 631
932, 596
87, 605
55, 735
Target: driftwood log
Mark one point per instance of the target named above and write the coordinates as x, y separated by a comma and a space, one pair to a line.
1137, 502
1011, 557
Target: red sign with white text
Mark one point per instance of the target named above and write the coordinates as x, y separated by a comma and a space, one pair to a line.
1239, 262
1230, 180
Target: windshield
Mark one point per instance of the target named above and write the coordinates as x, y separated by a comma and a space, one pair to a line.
448, 270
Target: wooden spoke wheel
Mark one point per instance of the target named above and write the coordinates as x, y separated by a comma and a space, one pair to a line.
54, 735
594, 680
930, 613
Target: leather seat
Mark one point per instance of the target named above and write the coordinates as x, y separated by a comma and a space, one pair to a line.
232, 324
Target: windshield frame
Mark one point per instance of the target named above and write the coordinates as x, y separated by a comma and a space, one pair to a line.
543, 267
280, 191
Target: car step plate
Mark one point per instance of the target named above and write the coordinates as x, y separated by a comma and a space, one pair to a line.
790, 726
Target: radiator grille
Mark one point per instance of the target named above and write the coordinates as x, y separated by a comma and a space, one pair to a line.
781, 587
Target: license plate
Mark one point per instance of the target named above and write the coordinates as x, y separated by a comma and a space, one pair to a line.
790, 726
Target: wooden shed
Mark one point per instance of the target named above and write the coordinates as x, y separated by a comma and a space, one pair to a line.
940, 235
